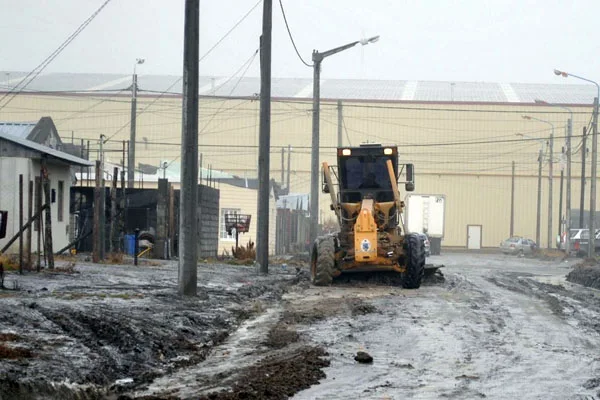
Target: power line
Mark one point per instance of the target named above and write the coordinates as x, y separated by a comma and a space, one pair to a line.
37, 70
247, 65
101, 101
230, 30
291, 37
180, 78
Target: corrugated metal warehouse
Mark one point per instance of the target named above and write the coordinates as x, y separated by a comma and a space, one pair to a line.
463, 137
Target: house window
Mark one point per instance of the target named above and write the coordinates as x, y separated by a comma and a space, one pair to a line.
222, 230
61, 202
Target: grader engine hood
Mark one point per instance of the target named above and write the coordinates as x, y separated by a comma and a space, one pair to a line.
365, 233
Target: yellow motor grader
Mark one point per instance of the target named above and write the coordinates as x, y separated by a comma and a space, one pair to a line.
368, 208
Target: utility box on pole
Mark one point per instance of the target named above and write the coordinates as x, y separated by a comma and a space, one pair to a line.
425, 213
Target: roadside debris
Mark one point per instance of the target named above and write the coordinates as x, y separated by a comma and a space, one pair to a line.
363, 357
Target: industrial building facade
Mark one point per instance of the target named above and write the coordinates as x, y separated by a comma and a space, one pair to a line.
463, 138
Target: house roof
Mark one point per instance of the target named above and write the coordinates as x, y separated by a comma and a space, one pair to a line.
17, 129
53, 153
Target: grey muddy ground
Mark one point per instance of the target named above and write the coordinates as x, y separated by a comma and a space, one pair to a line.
495, 327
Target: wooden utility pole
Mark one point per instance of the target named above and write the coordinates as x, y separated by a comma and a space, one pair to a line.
113, 210
512, 202
132, 125
282, 165
582, 199
593, 173
539, 200
560, 199
188, 233
29, 217
264, 181
81, 168
287, 184
96, 226
21, 223
38, 201
88, 168
123, 204
48, 251
340, 124
171, 219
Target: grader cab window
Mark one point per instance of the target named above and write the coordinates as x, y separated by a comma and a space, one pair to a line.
365, 174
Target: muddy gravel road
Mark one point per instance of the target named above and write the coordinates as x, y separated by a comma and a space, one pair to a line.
493, 326
497, 327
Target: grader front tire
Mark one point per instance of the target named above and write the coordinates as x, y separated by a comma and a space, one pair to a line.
415, 262
323, 261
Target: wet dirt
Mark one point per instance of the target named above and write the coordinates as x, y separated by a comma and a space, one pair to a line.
496, 327
489, 326
80, 334
278, 376
586, 274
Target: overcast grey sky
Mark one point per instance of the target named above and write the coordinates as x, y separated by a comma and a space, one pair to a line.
468, 40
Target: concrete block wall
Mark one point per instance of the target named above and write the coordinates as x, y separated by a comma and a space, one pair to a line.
208, 221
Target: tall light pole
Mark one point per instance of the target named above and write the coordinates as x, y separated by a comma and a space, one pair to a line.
550, 176
317, 58
539, 188
591, 249
131, 155
568, 146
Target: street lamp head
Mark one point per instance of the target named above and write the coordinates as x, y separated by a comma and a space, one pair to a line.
365, 42
140, 60
560, 73
525, 117
540, 101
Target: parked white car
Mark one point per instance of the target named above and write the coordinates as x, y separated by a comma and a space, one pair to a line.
518, 245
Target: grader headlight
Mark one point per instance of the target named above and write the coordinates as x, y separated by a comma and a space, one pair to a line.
346, 152
387, 151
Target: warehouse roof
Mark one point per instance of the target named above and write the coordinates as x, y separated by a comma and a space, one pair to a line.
344, 89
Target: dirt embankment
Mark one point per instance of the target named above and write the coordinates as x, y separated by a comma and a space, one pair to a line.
586, 273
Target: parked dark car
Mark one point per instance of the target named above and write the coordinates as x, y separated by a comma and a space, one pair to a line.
426, 244
518, 245
579, 240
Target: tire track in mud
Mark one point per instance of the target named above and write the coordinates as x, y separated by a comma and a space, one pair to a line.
466, 338
265, 358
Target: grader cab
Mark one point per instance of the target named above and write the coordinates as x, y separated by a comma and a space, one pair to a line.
367, 205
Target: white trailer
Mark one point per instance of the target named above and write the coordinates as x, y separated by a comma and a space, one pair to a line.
425, 214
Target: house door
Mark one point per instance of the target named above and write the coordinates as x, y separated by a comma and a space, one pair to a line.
473, 237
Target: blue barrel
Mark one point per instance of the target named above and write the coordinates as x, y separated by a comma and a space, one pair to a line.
130, 244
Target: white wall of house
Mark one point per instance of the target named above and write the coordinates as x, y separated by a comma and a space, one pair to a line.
244, 201
10, 169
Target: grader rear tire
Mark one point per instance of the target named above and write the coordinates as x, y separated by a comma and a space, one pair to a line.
415, 262
323, 261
